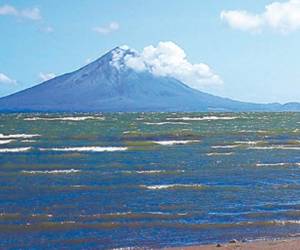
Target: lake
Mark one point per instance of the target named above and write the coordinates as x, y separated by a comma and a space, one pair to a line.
147, 179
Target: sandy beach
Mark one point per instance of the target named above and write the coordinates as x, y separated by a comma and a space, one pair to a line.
287, 244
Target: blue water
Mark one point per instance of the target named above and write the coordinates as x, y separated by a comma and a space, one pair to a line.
86, 181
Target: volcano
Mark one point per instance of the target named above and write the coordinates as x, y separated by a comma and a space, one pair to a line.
108, 85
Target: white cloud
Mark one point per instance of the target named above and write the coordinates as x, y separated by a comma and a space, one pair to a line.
47, 29
109, 28
240, 19
30, 13
33, 13
279, 16
46, 76
6, 80
8, 10
168, 59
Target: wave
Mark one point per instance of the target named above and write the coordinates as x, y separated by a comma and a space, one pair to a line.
14, 150
18, 136
174, 142
69, 118
278, 147
254, 131
279, 164
205, 118
152, 171
86, 149
71, 225
66, 171
249, 142
219, 154
173, 186
164, 123
224, 146
28, 141
6, 141
132, 215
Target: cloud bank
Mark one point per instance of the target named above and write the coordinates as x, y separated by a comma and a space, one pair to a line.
168, 59
30, 13
283, 17
109, 28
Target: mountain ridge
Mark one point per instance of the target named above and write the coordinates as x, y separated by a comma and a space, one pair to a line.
108, 85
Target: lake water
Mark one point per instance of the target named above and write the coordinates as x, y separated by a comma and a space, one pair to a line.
147, 179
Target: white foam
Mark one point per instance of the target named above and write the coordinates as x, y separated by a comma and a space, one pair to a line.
279, 147
18, 136
273, 164
152, 171
69, 118
14, 150
205, 118
249, 142
278, 164
28, 141
6, 141
253, 131
174, 142
67, 171
165, 123
127, 132
158, 187
219, 154
86, 149
225, 146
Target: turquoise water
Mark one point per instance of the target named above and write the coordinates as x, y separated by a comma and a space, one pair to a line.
147, 180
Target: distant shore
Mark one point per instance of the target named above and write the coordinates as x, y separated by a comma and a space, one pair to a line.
282, 244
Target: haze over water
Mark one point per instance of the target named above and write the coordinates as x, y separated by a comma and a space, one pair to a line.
147, 179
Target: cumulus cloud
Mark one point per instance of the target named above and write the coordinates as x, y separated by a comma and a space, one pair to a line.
168, 59
109, 28
46, 76
6, 80
29, 13
279, 16
242, 20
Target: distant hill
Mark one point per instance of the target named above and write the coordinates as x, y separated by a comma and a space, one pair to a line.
103, 86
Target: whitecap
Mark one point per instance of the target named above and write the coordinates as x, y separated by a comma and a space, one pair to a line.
225, 146
219, 154
86, 149
14, 150
69, 118
277, 164
249, 142
28, 141
152, 171
166, 123
18, 136
66, 171
205, 118
6, 141
174, 142
272, 164
279, 147
158, 187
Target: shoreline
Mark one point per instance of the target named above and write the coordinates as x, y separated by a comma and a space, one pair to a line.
276, 244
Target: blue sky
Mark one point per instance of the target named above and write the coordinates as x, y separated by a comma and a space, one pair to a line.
252, 45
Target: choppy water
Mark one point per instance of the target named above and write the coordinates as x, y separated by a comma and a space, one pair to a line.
147, 180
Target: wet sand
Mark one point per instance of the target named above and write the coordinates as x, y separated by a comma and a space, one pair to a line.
288, 244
